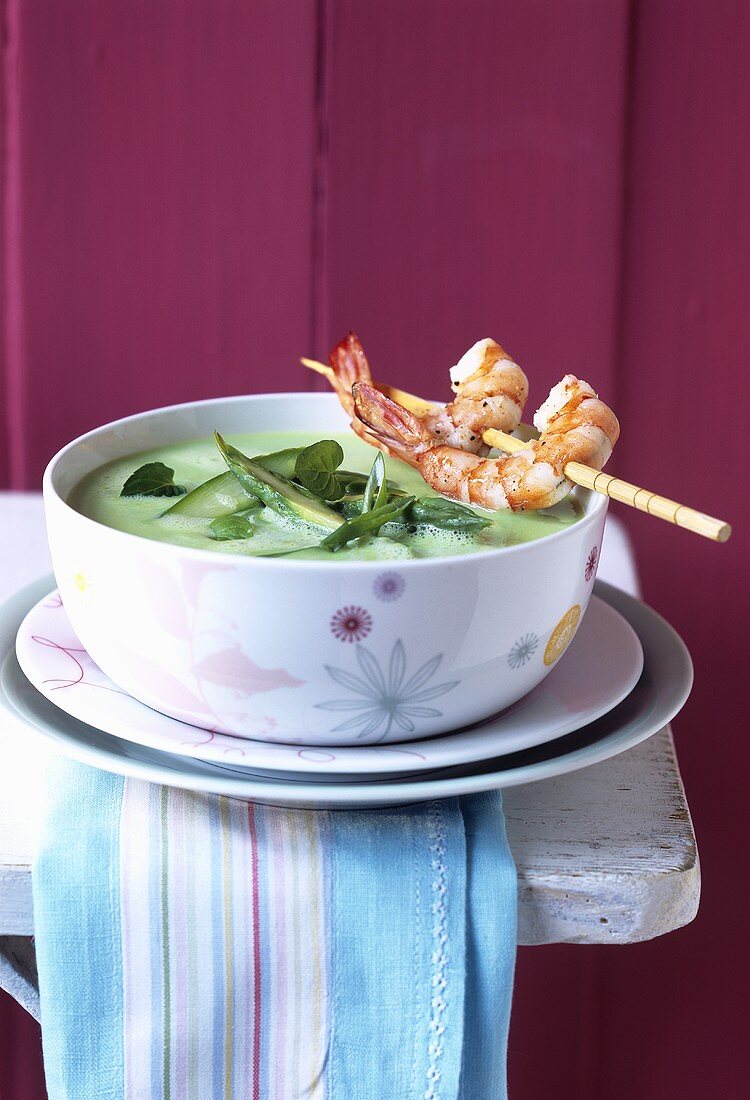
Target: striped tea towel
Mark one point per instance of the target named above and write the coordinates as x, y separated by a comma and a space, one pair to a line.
192, 946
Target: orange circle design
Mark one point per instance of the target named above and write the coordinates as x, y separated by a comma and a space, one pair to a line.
562, 635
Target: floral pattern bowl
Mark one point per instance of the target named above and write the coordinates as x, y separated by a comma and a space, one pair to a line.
309, 652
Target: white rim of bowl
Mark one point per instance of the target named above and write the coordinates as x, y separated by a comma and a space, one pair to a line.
598, 505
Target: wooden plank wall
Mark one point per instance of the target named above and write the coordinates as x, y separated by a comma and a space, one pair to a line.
209, 190
474, 182
675, 1010
165, 248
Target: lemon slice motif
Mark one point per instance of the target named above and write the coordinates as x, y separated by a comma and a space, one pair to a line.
562, 635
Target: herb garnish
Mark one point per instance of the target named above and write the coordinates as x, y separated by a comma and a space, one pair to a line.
276, 491
376, 490
316, 467
448, 515
152, 480
305, 485
225, 528
368, 523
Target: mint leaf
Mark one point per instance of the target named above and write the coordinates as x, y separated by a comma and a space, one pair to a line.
315, 469
224, 528
449, 515
152, 480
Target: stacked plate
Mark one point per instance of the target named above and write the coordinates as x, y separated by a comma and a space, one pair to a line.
625, 675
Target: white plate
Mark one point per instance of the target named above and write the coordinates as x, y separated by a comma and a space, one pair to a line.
658, 696
601, 667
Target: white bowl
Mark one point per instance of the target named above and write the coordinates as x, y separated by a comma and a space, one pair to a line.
308, 652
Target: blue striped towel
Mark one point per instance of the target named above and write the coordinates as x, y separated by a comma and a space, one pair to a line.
192, 946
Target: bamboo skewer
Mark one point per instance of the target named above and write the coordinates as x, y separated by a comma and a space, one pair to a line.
633, 495
417, 405
585, 476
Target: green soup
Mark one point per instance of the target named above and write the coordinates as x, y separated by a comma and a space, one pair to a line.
194, 461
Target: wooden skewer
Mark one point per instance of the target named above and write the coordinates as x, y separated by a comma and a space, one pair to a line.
415, 404
642, 499
585, 476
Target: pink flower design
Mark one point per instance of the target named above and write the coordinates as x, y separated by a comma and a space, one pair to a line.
351, 624
591, 561
389, 587
230, 668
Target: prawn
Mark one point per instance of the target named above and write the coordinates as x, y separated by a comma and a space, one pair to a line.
575, 426
349, 365
491, 391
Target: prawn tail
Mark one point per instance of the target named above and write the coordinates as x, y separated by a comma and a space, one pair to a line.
399, 430
349, 363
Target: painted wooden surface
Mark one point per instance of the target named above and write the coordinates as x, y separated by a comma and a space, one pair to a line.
605, 855
208, 190
474, 183
164, 247
685, 347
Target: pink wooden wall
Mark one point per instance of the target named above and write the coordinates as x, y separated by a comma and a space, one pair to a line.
196, 194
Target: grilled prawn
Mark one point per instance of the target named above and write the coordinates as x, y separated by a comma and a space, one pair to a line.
574, 425
491, 391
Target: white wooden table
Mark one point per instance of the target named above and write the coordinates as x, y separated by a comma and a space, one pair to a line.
604, 855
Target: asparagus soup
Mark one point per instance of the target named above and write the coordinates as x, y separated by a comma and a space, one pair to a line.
295, 494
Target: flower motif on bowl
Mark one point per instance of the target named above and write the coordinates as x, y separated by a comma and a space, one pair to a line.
562, 635
389, 587
384, 698
351, 624
523, 650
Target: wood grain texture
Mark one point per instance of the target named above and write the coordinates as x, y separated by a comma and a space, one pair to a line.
10, 358
5, 80
590, 868
685, 347
605, 855
474, 184
166, 162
